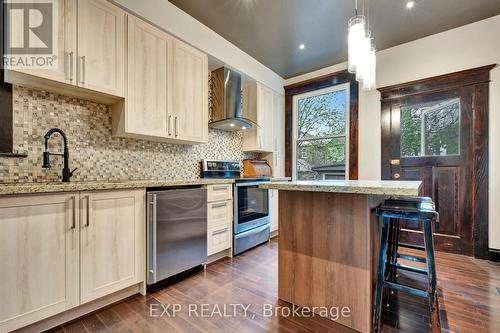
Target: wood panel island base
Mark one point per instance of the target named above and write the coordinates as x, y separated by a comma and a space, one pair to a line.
328, 245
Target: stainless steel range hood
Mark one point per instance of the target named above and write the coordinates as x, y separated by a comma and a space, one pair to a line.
226, 101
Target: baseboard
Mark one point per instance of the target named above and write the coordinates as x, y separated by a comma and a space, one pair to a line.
273, 234
80, 311
494, 255
218, 256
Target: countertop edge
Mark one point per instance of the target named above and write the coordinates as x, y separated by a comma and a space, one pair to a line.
374, 190
37, 188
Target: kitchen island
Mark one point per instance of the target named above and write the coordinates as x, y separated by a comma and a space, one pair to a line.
328, 245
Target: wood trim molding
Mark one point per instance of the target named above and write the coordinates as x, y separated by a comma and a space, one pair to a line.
478, 79
321, 82
438, 83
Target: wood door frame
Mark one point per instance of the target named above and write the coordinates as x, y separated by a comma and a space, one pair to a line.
478, 79
317, 83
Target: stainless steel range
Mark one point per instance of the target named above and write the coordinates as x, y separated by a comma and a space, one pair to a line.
251, 204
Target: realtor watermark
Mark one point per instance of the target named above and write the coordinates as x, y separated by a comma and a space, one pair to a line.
32, 34
232, 310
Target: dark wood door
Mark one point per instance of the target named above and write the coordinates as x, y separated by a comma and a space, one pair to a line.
430, 133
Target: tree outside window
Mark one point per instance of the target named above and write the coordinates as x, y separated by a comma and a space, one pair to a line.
320, 137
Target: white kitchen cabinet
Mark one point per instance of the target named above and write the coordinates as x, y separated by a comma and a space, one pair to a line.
145, 113
91, 53
273, 209
259, 103
66, 44
219, 239
167, 89
39, 249
101, 47
219, 218
190, 94
112, 238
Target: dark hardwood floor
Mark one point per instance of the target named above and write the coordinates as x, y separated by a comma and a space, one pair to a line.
468, 297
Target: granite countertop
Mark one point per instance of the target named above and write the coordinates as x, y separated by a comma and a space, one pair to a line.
376, 187
26, 188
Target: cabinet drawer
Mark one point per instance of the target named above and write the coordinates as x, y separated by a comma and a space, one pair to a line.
220, 213
219, 192
219, 239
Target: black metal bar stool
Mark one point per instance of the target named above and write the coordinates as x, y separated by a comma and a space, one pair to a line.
391, 212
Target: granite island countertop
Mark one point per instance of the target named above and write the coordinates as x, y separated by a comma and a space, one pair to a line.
49, 187
375, 187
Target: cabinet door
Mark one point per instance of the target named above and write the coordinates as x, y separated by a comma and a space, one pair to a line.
265, 119
149, 79
38, 256
273, 209
101, 51
66, 44
190, 99
112, 241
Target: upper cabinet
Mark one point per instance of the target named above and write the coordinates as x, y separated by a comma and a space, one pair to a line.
259, 105
101, 47
167, 88
91, 53
149, 81
66, 44
190, 99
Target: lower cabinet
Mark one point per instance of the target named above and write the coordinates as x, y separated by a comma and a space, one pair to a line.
219, 218
273, 209
112, 239
58, 251
39, 257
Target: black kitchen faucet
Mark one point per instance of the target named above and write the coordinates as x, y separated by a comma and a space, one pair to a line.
66, 174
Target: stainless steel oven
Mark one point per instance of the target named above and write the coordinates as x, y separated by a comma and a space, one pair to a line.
251, 215
251, 206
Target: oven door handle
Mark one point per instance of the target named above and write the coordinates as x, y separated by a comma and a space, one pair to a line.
249, 184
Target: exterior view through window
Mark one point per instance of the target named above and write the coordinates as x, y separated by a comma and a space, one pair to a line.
321, 121
431, 129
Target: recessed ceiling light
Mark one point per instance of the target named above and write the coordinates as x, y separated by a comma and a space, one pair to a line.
410, 4
243, 128
232, 125
302, 46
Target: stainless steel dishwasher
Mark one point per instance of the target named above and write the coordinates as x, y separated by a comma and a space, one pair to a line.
177, 231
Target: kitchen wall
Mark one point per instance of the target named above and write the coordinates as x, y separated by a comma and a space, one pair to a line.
470, 46
93, 150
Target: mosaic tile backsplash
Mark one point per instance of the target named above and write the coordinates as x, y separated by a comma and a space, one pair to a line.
93, 150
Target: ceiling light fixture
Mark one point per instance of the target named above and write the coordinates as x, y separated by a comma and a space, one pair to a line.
410, 4
362, 58
302, 46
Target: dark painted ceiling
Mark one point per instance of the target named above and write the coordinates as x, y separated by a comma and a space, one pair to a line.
272, 30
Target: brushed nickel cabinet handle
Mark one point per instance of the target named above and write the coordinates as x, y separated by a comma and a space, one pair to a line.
169, 124
67, 66
88, 212
218, 232
71, 65
73, 207
219, 188
223, 204
176, 125
82, 69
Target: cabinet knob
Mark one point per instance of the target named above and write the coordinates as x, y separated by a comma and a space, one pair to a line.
397, 175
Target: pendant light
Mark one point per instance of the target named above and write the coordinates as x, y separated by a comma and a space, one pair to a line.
361, 51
